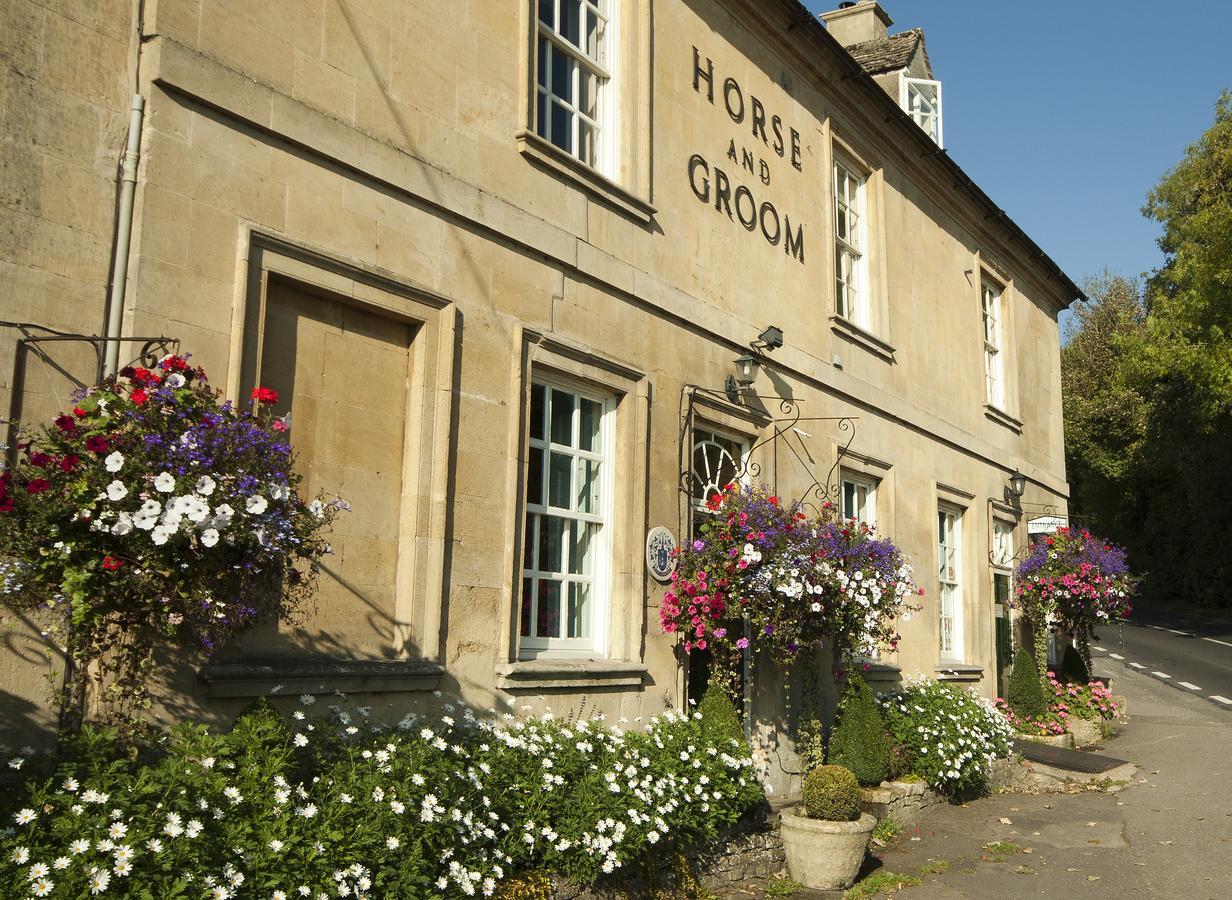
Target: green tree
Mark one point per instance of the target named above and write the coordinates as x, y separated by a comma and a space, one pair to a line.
1026, 692
1148, 387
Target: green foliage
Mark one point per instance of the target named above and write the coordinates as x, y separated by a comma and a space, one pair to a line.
1073, 666
720, 719
449, 807
1026, 693
881, 882
949, 734
832, 793
1147, 387
782, 887
887, 829
859, 740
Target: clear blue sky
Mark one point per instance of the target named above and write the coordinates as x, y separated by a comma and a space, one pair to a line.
1067, 113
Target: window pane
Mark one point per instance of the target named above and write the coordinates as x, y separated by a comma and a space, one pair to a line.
562, 77
551, 543
545, 58
582, 551
587, 486
524, 627
559, 481
547, 14
562, 418
547, 621
592, 34
571, 20
534, 477
588, 431
542, 124
579, 611
537, 403
588, 96
528, 541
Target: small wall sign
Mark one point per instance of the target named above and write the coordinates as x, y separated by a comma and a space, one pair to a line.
661, 561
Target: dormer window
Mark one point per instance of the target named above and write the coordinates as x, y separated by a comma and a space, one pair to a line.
921, 98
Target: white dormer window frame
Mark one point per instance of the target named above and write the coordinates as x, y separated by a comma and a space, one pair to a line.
921, 99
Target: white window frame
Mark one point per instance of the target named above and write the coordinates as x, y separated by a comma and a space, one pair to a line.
950, 582
992, 314
852, 297
924, 111
601, 63
712, 483
857, 484
600, 580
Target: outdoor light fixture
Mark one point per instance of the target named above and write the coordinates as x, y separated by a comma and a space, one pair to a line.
1017, 486
768, 340
746, 373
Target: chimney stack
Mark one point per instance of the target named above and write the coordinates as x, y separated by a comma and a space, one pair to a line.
855, 23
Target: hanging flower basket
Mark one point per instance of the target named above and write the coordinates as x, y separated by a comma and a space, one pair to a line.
155, 512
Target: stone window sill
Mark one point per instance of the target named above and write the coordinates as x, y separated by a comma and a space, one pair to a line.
292, 677
1001, 417
878, 671
549, 155
545, 674
959, 672
862, 338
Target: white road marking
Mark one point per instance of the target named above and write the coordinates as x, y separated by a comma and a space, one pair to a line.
1161, 674
1186, 684
1182, 633
1215, 641
1138, 665
1224, 700
1116, 656
1100, 649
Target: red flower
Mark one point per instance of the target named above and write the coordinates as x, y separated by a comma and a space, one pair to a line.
140, 396
37, 485
42, 460
176, 363
264, 395
79, 412
110, 563
6, 504
69, 462
97, 444
66, 424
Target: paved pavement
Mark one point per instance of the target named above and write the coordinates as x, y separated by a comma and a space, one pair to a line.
1168, 834
1191, 654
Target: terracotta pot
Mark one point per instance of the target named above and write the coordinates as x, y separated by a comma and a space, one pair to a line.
822, 855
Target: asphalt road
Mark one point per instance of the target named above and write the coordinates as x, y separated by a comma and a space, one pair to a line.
1189, 653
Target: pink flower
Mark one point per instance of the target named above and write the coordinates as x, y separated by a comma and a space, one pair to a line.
742, 643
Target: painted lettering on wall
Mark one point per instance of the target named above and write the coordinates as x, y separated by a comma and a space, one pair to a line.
763, 133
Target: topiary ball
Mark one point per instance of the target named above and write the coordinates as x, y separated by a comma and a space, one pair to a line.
1026, 693
860, 740
719, 716
832, 793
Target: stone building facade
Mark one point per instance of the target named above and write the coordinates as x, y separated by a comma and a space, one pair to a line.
500, 260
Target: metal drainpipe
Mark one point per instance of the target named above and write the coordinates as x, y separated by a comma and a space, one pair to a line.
124, 231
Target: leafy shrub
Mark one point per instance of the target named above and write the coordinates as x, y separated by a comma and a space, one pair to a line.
337, 807
949, 734
1025, 693
720, 719
831, 793
860, 741
1073, 666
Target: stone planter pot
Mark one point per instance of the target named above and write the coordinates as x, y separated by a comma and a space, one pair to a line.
821, 855
1065, 741
1085, 732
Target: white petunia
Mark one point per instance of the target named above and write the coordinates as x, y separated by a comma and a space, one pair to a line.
205, 485
279, 491
256, 504
114, 462
175, 380
116, 490
160, 534
164, 483
123, 524
209, 537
